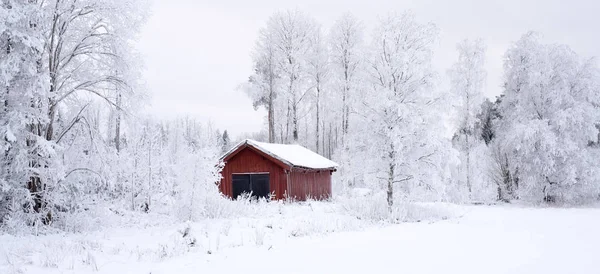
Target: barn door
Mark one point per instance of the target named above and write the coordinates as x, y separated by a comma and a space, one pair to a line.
240, 184
257, 184
260, 185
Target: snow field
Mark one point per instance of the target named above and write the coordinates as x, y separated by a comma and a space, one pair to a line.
148, 239
485, 240
322, 237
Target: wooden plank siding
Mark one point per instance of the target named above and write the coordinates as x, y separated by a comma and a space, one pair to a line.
314, 184
249, 161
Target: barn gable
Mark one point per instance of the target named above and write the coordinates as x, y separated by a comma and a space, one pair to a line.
251, 161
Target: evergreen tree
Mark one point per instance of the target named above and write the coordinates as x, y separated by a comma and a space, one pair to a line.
225, 142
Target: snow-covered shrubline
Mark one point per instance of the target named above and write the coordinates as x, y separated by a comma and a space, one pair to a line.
294, 155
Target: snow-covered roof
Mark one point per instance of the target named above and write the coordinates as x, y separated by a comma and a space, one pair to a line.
292, 155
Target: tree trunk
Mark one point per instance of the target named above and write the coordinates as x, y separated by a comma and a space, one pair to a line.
271, 118
287, 124
329, 151
345, 108
468, 132
499, 194
391, 176
118, 123
469, 165
149, 171
317, 123
271, 111
323, 138
295, 122
347, 124
5, 109
344, 122
35, 184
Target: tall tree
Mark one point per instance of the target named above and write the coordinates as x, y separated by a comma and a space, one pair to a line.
467, 78
293, 32
262, 87
28, 158
318, 71
401, 109
346, 43
280, 81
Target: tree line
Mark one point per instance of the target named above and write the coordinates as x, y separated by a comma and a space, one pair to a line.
371, 100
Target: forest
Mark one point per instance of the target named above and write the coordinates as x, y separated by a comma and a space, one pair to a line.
371, 100
78, 151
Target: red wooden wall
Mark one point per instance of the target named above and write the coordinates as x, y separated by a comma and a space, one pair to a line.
313, 184
249, 161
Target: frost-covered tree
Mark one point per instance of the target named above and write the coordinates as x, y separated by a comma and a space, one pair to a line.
467, 77
262, 86
60, 57
280, 81
550, 111
294, 32
30, 168
347, 51
225, 142
347, 54
402, 108
88, 51
318, 71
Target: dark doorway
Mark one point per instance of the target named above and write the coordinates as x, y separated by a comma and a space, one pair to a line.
257, 184
240, 184
260, 185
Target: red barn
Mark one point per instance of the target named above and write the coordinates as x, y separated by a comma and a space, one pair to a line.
284, 171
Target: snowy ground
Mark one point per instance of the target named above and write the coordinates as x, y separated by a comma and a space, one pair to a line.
307, 239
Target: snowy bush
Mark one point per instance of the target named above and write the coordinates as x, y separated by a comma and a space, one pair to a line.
197, 192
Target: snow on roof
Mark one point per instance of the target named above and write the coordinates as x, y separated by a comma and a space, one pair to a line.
293, 155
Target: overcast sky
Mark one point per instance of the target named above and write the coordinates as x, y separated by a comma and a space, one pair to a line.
198, 51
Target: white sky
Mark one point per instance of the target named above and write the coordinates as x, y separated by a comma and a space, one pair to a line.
197, 52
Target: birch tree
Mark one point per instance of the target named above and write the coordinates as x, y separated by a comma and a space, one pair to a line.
467, 78
319, 73
280, 81
402, 107
346, 43
262, 87
293, 31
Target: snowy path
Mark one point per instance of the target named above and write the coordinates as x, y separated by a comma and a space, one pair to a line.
484, 240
